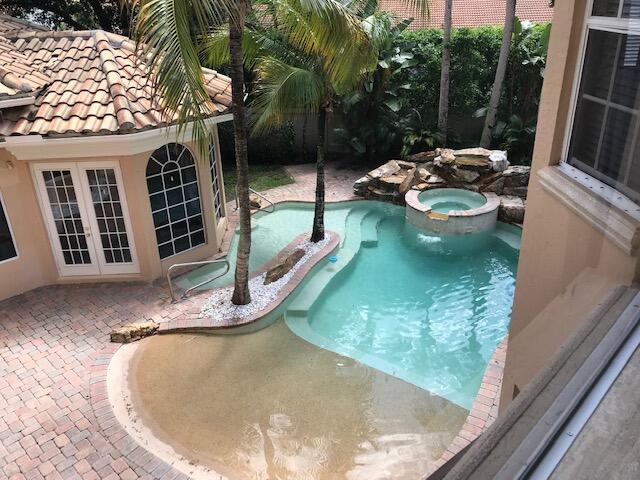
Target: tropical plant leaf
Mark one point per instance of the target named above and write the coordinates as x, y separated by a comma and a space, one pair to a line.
283, 90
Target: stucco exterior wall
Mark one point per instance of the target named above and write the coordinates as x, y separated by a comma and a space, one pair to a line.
36, 266
567, 266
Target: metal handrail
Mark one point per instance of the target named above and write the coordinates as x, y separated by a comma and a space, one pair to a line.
271, 204
192, 264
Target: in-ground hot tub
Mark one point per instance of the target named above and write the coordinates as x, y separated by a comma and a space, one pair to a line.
452, 211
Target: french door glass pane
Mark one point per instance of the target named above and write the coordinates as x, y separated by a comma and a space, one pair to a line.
66, 216
109, 216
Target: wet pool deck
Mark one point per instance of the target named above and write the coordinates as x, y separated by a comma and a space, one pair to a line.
54, 352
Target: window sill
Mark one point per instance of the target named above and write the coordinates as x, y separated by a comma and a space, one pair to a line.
603, 207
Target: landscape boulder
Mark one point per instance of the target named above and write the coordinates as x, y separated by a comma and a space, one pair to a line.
422, 157
516, 176
511, 209
134, 331
409, 181
360, 186
386, 170
255, 202
282, 268
468, 176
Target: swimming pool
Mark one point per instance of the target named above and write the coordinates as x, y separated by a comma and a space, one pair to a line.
425, 309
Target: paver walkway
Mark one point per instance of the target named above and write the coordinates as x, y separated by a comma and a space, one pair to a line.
49, 340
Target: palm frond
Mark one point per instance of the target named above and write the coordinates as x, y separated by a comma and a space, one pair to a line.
167, 31
214, 47
329, 30
284, 89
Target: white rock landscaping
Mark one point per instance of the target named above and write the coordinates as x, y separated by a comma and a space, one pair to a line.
219, 309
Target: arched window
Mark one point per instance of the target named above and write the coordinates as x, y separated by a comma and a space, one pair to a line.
172, 181
216, 184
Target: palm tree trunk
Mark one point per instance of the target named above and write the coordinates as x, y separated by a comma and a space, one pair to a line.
318, 217
443, 107
241, 294
503, 60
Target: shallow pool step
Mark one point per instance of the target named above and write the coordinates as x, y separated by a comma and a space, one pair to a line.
369, 229
509, 234
312, 289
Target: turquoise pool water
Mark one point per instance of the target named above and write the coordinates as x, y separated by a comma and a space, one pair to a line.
428, 310
443, 200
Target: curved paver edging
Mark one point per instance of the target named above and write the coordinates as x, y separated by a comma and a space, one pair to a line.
103, 409
484, 410
482, 414
194, 321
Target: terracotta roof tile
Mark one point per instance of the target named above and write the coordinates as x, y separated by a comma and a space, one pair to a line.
470, 13
86, 83
18, 76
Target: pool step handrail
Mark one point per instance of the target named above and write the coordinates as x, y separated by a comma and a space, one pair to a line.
222, 260
270, 205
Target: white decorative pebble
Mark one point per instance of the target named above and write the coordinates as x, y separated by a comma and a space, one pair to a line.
218, 306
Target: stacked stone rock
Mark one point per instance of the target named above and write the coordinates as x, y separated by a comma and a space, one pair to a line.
475, 169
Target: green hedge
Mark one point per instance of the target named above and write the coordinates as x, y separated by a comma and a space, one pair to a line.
474, 57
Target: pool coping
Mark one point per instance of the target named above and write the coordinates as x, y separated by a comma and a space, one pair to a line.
192, 319
484, 410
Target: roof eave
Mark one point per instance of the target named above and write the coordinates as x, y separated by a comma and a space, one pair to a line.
38, 147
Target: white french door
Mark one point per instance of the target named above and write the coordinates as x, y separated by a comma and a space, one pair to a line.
86, 215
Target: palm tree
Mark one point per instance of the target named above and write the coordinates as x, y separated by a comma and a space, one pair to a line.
443, 106
295, 76
166, 29
241, 294
503, 60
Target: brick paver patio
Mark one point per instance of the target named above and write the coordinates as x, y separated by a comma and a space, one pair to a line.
49, 340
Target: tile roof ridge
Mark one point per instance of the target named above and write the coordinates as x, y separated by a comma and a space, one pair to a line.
114, 81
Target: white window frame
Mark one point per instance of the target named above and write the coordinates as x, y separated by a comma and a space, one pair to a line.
611, 24
197, 182
216, 164
3, 205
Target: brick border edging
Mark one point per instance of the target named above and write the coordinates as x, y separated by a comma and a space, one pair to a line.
135, 454
484, 410
193, 321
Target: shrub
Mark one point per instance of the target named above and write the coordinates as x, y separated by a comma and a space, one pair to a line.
276, 146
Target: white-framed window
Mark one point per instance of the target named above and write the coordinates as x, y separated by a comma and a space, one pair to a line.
8, 250
604, 139
216, 185
172, 181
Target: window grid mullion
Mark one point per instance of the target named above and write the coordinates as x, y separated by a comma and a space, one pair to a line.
634, 147
607, 104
